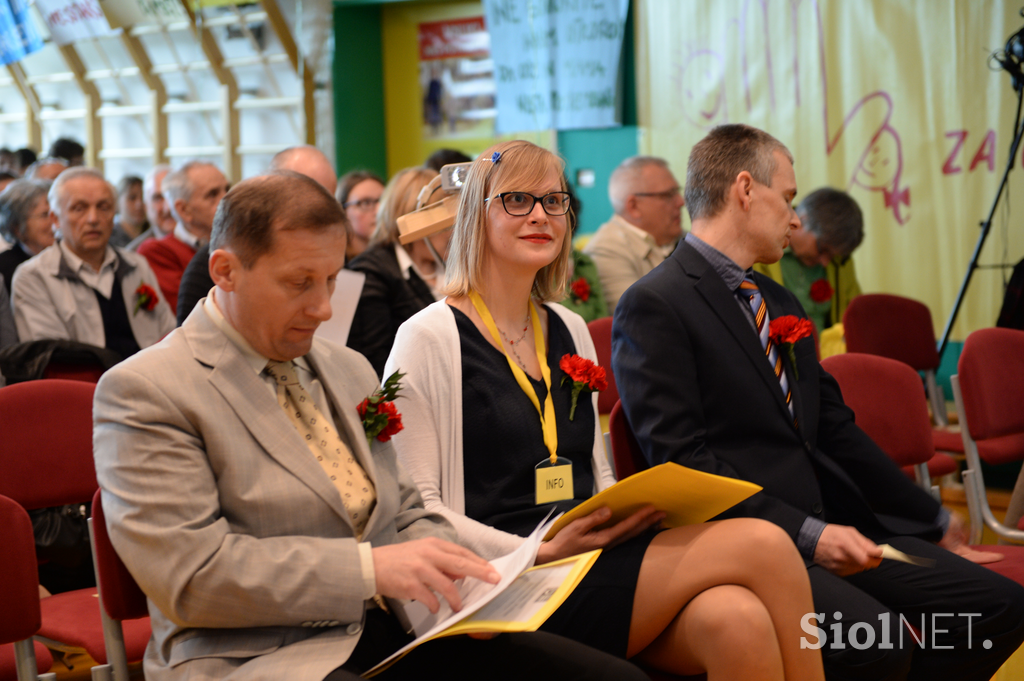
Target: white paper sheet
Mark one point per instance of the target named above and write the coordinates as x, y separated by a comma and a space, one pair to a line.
343, 306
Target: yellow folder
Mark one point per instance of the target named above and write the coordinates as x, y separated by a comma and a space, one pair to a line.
686, 495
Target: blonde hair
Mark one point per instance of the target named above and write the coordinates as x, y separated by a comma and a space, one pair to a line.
522, 165
398, 199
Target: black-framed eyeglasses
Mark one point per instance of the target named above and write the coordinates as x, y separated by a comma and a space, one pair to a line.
668, 194
519, 204
362, 204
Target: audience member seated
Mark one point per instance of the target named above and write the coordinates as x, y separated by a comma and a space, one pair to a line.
359, 194
193, 192
254, 562
444, 157
400, 280
309, 161
25, 158
130, 220
24, 222
46, 169
9, 162
6, 178
583, 294
817, 267
8, 332
158, 209
698, 388
645, 228
685, 600
83, 289
68, 150
196, 281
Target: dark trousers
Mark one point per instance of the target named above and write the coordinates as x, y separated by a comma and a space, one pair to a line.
536, 656
967, 618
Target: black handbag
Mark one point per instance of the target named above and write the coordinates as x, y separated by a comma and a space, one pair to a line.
62, 535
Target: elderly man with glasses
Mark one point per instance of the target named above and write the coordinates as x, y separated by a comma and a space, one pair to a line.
645, 228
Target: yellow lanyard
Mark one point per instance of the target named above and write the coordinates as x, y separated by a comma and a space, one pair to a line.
547, 417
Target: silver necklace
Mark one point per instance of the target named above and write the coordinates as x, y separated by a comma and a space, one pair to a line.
516, 342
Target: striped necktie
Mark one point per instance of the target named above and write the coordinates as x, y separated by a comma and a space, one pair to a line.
748, 289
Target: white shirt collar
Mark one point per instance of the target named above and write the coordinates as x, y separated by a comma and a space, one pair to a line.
254, 359
186, 237
406, 266
76, 264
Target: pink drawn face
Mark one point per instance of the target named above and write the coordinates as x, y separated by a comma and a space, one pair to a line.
881, 164
700, 84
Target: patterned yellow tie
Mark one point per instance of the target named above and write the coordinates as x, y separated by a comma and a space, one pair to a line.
357, 492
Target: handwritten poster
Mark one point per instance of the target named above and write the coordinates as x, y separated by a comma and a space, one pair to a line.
71, 20
18, 36
889, 100
556, 63
131, 12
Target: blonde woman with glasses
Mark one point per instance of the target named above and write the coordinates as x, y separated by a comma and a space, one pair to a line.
484, 403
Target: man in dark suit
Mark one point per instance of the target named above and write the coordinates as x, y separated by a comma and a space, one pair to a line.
696, 374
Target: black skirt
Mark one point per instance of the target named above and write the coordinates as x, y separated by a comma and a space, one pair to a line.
598, 611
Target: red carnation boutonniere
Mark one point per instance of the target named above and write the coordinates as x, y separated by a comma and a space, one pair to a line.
580, 290
786, 331
821, 291
145, 299
381, 419
584, 374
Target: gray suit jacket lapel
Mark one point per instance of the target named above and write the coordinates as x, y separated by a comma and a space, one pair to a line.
256, 407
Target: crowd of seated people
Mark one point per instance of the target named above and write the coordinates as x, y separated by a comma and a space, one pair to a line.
274, 534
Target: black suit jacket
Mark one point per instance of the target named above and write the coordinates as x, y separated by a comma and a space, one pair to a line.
697, 389
387, 300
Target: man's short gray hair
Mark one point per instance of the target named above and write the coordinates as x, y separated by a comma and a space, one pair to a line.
56, 193
30, 172
835, 220
16, 204
149, 180
720, 157
627, 177
178, 185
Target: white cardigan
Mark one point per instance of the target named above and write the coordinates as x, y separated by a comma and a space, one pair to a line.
428, 350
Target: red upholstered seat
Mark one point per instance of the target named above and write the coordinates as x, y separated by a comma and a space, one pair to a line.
891, 326
601, 332
8, 668
46, 460
901, 329
625, 449
19, 593
989, 392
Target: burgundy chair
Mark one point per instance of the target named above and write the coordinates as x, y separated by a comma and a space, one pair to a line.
901, 329
625, 449
19, 598
601, 332
46, 460
121, 599
989, 393
878, 390
883, 395
74, 372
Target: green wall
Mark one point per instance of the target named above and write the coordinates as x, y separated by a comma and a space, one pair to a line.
358, 89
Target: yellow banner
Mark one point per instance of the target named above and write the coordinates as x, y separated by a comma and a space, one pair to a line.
893, 101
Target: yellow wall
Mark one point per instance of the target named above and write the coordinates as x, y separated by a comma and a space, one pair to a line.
403, 100
886, 84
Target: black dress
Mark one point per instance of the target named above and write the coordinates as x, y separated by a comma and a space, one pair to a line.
503, 442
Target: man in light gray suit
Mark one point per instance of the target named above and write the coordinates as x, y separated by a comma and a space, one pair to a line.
252, 561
